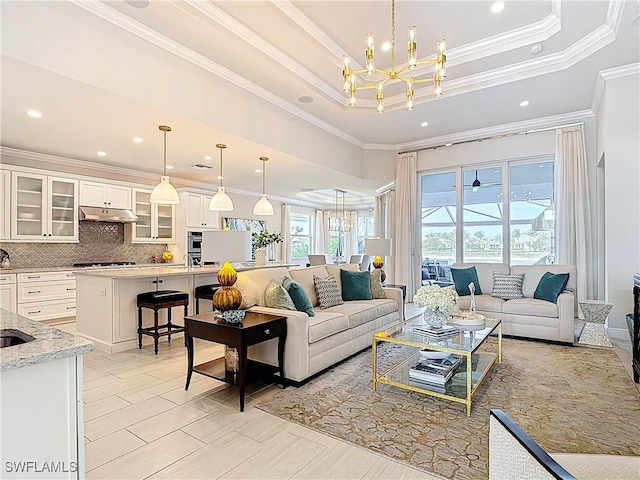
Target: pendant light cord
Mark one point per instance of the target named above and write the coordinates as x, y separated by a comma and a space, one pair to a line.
164, 155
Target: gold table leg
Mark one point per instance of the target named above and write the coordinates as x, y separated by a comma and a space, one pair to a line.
468, 384
374, 362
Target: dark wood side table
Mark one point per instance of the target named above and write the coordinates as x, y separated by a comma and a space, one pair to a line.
255, 328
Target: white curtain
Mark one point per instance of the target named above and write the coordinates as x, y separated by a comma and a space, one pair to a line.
406, 238
352, 236
286, 233
378, 216
388, 231
574, 243
320, 244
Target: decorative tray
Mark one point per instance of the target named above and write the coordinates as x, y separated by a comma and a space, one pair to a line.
466, 319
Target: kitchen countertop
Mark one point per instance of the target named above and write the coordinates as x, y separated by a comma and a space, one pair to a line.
155, 271
71, 268
50, 343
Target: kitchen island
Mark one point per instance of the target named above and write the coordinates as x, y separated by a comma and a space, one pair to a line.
42, 411
106, 310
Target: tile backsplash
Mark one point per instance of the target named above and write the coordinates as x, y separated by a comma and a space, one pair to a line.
99, 242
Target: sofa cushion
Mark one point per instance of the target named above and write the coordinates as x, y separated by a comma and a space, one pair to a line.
355, 285
326, 323
507, 287
304, 276
530, 307
462, 277
327, 291
550, 286
484, 303
375, 279
533, 274
485, 273
358, 313
276, 296
384, 306
252, 283
298, 296
335, 271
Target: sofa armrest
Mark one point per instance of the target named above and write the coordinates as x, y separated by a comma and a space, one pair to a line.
566, 316
396, 294
296, 347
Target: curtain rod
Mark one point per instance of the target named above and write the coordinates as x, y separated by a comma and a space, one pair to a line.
535, 130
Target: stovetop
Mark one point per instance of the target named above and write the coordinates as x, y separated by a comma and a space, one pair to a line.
102, 264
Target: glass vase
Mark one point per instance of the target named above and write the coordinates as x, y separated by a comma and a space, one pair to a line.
435, 317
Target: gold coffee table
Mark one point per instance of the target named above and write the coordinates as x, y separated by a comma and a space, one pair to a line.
466, 343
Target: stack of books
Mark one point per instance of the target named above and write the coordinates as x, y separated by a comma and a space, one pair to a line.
436, 332
434, 373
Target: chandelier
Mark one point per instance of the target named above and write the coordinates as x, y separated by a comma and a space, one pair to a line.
402, 73
340, 224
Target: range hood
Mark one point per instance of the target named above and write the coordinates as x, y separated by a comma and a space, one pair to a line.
98, 214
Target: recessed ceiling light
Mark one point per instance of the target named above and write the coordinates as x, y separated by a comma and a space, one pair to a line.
137, 3
497, 7
524, 103
137, 140
305, 99
257, 170
100, 153
207, 157
34, 113
448, 144
220, 177
169, 167
424, 124
385, 47
537, 48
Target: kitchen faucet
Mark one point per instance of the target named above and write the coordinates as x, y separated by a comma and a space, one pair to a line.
188, 260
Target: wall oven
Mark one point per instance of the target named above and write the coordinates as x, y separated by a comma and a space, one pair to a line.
194, 245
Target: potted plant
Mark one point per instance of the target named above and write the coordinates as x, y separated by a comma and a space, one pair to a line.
261, 241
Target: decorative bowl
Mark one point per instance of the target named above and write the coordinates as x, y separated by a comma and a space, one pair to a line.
234, 316
464, 319
433, 355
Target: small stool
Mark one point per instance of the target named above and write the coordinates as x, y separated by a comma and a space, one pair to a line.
205, 292
157, 300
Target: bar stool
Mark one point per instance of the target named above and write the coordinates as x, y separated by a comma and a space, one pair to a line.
157, 300
205, 292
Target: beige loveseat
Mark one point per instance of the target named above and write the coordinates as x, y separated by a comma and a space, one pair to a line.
333, 334
526, 317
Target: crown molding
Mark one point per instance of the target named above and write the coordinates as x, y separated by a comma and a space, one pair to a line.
134, 27
507, 128
609, 74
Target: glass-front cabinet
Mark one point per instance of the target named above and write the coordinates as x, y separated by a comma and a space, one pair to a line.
45, 208
156, 222
5, 204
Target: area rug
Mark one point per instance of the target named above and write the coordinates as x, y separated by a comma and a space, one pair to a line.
569, 399
595, 334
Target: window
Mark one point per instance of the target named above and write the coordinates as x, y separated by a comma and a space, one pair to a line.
438, 194
364, 230
300, 236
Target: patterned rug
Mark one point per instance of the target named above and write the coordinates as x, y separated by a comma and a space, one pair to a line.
569, 399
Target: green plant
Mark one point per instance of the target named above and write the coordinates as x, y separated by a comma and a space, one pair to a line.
264, 238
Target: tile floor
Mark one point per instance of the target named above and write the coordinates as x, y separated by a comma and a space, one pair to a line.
141, 423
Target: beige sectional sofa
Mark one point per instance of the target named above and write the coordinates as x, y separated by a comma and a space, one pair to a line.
333, 334
526, 317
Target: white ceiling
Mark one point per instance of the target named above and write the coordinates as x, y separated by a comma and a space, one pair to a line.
232, 72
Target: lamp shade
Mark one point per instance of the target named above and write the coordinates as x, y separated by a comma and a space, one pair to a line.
165, 193
263, 206
226, 245
377, 246
221, 201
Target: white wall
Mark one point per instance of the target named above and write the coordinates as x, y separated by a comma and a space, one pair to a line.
618, 116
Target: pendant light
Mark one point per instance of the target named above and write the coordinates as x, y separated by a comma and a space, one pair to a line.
263, 206
221, 201
164, 192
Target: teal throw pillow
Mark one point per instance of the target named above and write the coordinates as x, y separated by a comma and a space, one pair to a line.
276, 296
462, 277
298, 296
355, 285
550, 286
376, 284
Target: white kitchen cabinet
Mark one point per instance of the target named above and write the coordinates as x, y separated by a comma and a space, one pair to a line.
45, 209
96, 194
8, 291
198, 215
5, 204
46, 295
156, 222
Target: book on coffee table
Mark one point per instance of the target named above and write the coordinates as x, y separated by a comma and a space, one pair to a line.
437, 371
436, 332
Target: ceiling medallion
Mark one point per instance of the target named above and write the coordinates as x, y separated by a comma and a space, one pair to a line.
349, 76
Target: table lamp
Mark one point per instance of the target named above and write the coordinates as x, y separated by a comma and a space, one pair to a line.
379, 248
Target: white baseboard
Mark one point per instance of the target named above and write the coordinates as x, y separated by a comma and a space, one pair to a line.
620, 333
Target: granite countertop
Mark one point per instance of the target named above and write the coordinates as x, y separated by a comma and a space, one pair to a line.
50, 343
165, 271
71, 268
